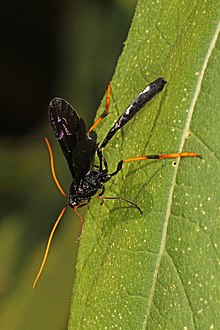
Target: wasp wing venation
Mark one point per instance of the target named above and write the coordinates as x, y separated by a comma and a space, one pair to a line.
70, 131
82, 158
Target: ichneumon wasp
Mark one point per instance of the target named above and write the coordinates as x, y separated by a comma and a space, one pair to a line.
79, 148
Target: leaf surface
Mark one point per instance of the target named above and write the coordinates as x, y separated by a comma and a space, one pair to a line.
160, 270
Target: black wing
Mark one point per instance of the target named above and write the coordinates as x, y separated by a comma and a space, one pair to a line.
70, 130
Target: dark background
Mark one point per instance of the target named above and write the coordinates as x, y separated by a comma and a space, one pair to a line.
53, 48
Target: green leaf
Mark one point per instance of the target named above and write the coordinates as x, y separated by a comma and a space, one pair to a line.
160, 270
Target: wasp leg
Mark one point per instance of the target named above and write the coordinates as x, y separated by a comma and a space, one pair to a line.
163, 156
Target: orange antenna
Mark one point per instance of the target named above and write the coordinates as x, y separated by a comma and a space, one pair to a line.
53, 169
48, 247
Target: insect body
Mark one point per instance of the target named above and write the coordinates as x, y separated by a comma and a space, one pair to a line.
79, 148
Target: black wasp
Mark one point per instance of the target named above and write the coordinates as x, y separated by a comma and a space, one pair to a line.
79, 147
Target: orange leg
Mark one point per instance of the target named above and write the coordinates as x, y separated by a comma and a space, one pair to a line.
163, 156
81, 222
105, 113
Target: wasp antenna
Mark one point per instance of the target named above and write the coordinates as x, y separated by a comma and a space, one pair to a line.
53, 168
48, 247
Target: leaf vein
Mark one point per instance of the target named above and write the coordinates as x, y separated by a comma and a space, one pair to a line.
173, 183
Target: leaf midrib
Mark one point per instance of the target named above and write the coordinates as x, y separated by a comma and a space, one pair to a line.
173, 183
